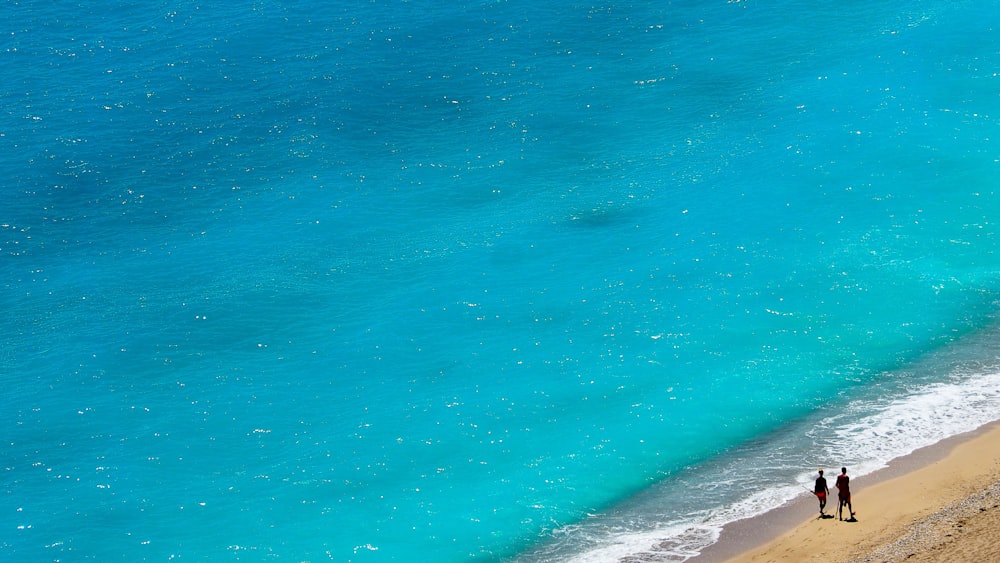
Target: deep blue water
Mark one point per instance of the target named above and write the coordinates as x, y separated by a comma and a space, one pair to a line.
497, 281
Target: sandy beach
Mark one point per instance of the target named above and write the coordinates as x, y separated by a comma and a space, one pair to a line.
941, 503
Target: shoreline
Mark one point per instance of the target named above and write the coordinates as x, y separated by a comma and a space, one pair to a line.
952, 487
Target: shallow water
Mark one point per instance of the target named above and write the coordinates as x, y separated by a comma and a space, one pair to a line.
483, 281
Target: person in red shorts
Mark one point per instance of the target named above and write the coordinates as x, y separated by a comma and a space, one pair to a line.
844, 493
821, 491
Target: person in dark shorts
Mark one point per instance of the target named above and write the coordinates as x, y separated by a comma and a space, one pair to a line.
844, 494
821, 491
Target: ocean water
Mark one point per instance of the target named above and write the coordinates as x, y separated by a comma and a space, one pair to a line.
494, 281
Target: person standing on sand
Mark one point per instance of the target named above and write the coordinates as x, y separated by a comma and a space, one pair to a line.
821, 491
844, 493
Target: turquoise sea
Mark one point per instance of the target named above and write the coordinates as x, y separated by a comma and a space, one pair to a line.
495, 281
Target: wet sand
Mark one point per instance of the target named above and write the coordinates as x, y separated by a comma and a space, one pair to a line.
941, 503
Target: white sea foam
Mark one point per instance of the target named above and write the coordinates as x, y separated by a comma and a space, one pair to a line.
865, 435
870, 435
678, 543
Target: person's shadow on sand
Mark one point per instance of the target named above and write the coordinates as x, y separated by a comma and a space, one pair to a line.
826, 516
